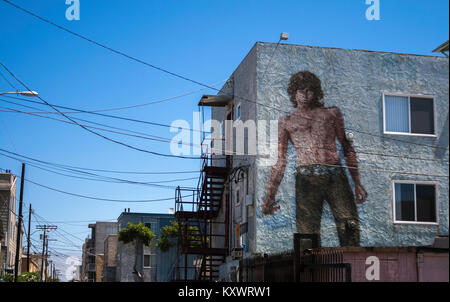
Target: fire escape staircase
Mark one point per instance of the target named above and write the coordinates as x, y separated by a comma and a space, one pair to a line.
197, 213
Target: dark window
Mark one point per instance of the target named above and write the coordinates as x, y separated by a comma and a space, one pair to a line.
422, 116
146, 260
148, 225
415, 202
426, 203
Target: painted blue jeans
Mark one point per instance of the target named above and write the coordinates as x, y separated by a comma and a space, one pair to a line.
316, 184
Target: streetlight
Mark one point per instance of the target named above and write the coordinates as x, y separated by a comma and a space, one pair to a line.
22, 93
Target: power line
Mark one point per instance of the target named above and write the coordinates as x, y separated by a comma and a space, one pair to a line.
132, 106
274, 108
110, 49
144, 104
146, 136
79, 221
234, 153
99, 114
95, 198
67, 240
108, 179
96, 133
79, 119
199, 82
191, 144
141, 135
99, 170
378, 170
58, 230
188, 79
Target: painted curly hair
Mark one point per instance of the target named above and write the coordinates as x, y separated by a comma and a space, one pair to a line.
302, 80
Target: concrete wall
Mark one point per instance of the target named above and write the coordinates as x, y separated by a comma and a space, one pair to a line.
354, 81
99, 258
102, 230
241, 85
111, 250
110, 258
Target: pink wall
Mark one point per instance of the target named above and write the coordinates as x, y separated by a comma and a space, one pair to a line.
433, 267
399, 264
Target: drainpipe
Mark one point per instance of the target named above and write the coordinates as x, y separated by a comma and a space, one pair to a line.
417, 264
244, 211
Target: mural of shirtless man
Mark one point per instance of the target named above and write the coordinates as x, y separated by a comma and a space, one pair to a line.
313, 130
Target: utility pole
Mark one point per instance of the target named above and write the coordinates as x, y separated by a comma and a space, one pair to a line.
46, 257
19, 226
43, 251
28, 239
45, 228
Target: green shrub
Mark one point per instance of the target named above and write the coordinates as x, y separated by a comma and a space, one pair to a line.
29, 277
7, 278
170, 234
137, 232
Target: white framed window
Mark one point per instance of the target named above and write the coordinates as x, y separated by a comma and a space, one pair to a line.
405, 114
238, 111
415, 202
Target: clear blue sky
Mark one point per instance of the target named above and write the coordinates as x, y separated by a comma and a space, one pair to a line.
202, 40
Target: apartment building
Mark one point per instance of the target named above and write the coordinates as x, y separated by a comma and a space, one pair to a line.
365, 167
8, 222
91, 271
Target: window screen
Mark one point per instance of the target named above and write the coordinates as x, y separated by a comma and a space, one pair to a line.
396, 113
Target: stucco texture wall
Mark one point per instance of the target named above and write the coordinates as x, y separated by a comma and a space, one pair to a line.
354, 81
